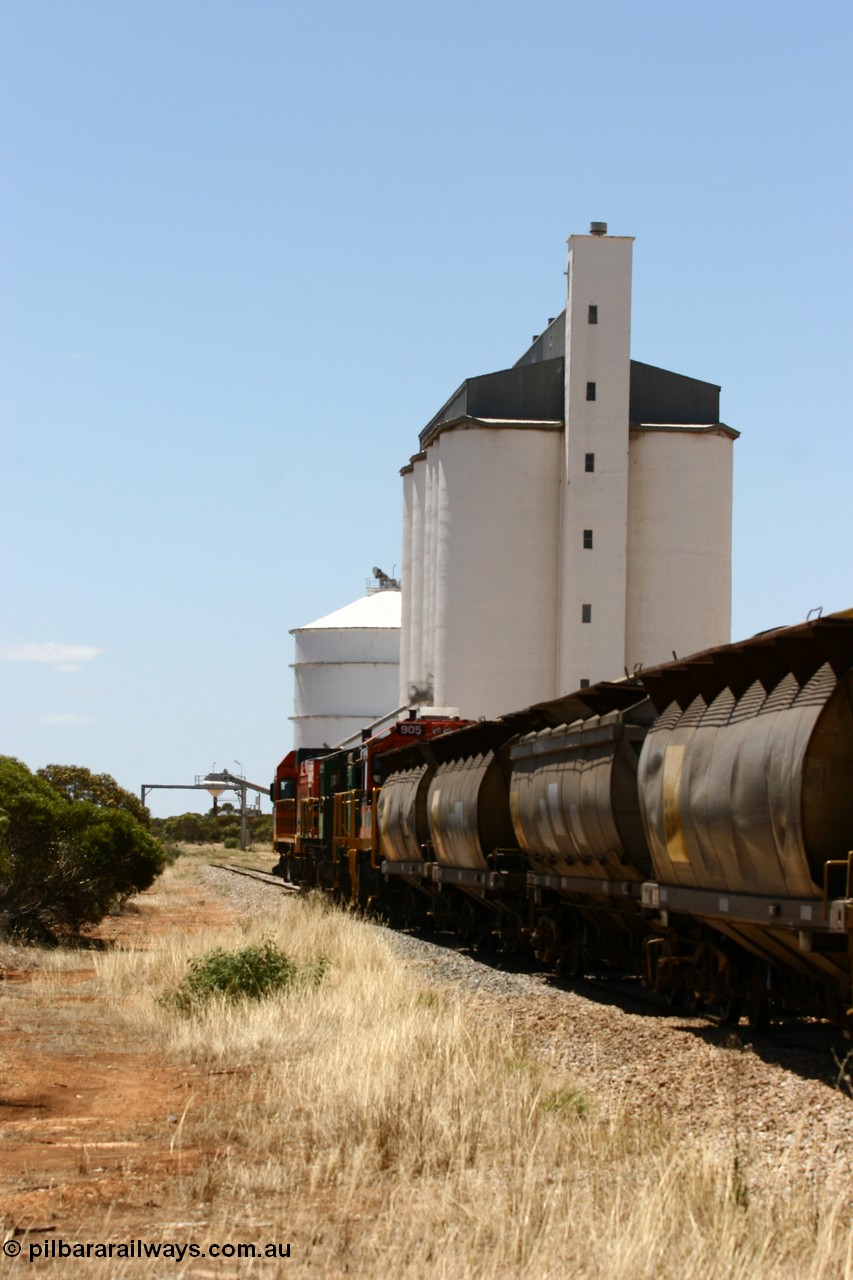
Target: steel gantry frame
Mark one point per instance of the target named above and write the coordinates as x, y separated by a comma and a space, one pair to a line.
215, 784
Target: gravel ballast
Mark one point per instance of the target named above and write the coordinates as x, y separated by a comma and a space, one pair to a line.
770, 1099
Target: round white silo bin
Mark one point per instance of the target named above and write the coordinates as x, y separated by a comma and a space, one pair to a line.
496, 566
413, 678
432, 464
679, 552
346, 670
406, 581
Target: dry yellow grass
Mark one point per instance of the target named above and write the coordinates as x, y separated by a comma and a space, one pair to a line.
384, 1131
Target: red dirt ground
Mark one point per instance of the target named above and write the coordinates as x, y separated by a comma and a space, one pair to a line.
90, 1127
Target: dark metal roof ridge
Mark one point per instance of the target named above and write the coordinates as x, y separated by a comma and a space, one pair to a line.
708, 428
537, 424
436, 417
686, 376
410, 465
539, 338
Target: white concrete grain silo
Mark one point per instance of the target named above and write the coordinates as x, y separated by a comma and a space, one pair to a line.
566, 518
413, 571
696, 463
496, 540
346, 669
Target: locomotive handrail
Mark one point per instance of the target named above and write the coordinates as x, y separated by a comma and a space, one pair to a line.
375, 861
345, 815
309, 817
285, 818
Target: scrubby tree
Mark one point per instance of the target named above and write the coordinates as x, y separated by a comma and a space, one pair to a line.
76, 783
64, 863
189, 828
207, 828
260, 828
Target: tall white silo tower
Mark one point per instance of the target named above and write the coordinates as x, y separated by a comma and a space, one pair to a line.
568, 518
347, 668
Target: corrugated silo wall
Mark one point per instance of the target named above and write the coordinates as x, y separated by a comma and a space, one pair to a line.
495, 511
430, 546
343, 678
679, 543
412, 669
405, 579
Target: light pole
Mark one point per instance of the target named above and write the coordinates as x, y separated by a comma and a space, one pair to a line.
244, 816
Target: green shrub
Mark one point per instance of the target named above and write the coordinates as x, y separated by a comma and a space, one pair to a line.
207, 828
75, 783
66, 862
231, 842
260, 829
248, 974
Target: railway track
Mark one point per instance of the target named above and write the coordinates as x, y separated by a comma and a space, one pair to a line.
805, 1047
264, 876
801, 1034
773, 1099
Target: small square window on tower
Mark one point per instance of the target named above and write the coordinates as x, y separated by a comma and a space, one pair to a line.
587, 539
586, 613
590, 391
589, 462
593, 313
584, 683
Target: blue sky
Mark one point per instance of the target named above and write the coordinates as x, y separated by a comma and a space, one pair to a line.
248, 250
